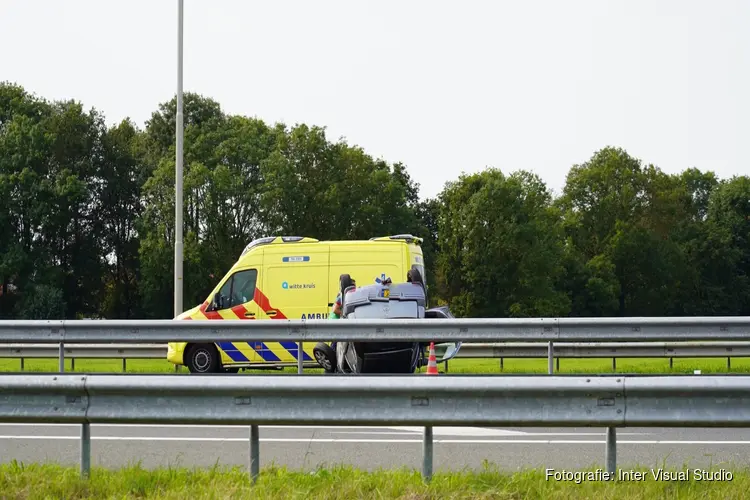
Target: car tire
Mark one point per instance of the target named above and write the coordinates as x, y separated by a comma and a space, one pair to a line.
325, 357
202, 358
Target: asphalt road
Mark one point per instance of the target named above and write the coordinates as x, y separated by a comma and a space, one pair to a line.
374, 447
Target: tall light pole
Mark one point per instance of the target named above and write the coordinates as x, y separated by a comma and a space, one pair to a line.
178, 172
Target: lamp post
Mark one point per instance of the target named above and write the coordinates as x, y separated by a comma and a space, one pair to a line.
178, 171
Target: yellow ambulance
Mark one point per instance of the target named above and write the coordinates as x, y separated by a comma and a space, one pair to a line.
289, 277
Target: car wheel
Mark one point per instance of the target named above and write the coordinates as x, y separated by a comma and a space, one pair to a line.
203, 358
325, 356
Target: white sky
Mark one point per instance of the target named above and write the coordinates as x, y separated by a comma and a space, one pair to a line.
440, 86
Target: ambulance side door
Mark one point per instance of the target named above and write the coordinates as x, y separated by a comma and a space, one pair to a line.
296, 281
237, 300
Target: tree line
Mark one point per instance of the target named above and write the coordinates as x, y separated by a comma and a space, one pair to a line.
87, 219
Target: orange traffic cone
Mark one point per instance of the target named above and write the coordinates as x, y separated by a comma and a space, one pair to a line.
432, 362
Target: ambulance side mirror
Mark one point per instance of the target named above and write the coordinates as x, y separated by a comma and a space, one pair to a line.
444, 350
450, 352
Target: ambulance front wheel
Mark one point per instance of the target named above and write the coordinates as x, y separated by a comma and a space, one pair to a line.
202, 358
325, 356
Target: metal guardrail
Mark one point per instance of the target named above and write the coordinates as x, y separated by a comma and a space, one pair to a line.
530, 401
502, 351
612, 350
609, 349
661, 329
549, 330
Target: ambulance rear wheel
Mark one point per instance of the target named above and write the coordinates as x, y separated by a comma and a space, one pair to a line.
202, 358
325, 356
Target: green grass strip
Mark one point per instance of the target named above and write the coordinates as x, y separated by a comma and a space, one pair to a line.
32, 482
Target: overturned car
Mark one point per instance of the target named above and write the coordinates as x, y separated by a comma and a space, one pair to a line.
382, 301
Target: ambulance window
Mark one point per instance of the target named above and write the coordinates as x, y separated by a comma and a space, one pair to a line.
240, 288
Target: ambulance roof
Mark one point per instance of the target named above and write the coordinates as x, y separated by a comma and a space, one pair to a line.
274, 240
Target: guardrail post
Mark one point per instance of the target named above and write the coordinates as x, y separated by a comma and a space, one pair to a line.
21, 364
427, 454
300, 358
611, 454
550, 358
254, 453
61, 357
85, 449
124, 364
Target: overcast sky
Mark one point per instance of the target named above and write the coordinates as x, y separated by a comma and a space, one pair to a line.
444, 87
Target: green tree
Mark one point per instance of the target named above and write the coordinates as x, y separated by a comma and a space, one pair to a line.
222, 212
332, 190
122, 176
501, 247
624, 220
726, 248
49, 160
87, 219
72, 227
24, 148
204, 125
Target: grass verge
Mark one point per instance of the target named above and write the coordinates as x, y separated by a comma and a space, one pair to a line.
31, 482
471, 366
